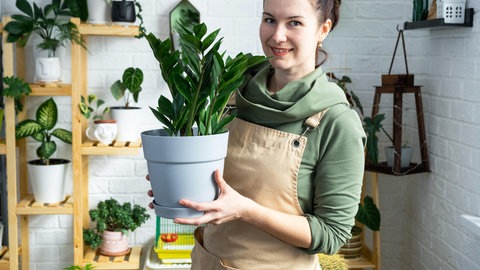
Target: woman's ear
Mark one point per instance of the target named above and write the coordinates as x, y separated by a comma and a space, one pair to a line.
324, 30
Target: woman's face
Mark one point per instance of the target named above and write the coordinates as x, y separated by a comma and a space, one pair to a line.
290, 33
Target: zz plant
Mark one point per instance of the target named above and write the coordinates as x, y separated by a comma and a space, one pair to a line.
201, 80
42, 129
110, 215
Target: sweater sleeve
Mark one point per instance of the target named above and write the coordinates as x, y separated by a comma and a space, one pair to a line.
337, 182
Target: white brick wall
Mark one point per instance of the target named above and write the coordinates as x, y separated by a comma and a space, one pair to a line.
420, 228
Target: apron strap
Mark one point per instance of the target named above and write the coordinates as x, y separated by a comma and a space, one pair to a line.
311, 123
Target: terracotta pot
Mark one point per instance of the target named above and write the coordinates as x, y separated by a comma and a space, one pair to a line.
114, 244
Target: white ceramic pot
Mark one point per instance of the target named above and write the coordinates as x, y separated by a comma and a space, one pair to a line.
406, 156
128, 123
1, 234
48, 181
104, 131
114, 243
48, 69
99, 12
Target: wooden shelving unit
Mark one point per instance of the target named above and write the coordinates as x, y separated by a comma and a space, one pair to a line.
83, 148
22, 206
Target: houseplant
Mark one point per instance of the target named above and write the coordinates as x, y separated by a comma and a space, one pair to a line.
201, 80
46, 174
127, 116
16, 88
76, 267
52, 24
100, 129
113, 222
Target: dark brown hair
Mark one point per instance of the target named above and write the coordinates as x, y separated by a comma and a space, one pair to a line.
326, 9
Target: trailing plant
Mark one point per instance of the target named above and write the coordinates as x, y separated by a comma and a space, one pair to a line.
199, 79
129, 86
76, 267
42, 129
110, 215
90, 111
52, 24
16, 89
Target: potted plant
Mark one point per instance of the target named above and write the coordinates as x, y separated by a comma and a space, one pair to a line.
368, 215
46, 174
181, 159
127, 116
52, 24
100, 129
374, 125
113, 222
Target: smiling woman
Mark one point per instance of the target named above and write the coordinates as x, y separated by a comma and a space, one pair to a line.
293, 172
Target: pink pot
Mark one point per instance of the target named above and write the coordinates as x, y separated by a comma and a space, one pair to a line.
114, 243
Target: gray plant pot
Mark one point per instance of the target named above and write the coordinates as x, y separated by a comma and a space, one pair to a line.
182, 168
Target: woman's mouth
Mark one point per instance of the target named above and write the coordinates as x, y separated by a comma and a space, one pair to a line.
280, 51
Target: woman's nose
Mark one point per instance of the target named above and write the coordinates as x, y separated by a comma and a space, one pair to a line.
280, 34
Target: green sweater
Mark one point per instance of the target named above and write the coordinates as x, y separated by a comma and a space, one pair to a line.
331, 172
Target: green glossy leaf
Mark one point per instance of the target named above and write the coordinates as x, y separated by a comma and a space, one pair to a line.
47, 114
46, 150
63, 134
368, 214
27, 128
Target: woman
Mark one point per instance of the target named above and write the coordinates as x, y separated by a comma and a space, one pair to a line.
293, 174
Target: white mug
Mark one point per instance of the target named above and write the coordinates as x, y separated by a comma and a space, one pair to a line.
104, 131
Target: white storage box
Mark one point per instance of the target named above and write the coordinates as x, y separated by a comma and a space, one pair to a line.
452, 11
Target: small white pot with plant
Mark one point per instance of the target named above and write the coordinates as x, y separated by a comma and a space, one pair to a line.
46, 174
52, 25
99, 129
182, 156
127, 116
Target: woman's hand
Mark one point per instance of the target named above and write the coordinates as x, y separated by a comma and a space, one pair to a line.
230, 205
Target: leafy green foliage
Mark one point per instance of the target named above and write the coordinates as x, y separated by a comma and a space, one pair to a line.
16, 89
371, 127
42, 129
200, 81
92, 111
110, 215
368, 214
52, 24
76, 267
129, 86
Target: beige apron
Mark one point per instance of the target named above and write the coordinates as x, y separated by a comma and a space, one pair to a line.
262, 164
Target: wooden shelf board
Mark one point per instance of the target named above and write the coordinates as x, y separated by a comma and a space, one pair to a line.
382, 167
364, 262
116, 148
3, 147
28, 206
4, 259
51, 89
128, 261
108, 30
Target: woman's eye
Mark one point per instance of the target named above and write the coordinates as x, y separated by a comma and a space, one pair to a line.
295, 23
269, 20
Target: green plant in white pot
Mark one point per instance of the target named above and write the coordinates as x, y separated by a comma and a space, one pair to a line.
192, 144
52, 24
127, 116
99, 129
46, 174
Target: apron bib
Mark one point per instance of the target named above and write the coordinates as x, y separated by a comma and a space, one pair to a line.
262, 164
